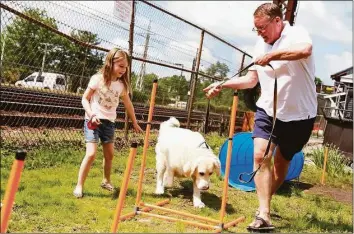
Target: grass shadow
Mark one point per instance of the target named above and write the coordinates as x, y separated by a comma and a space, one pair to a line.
210, 200
115, 193
313, 222
291, 188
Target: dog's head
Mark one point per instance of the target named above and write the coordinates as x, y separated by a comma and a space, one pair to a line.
203, 167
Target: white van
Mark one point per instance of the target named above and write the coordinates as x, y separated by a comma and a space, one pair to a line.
45, 80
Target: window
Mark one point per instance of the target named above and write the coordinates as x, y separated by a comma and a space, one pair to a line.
60, 81
40, 79
29, 79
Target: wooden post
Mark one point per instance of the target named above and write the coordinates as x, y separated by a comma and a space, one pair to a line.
324, 165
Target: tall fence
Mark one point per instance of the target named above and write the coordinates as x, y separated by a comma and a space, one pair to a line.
50, 49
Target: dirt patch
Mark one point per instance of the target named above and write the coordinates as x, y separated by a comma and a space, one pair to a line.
340, 195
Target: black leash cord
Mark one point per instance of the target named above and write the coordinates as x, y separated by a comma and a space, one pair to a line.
275, 95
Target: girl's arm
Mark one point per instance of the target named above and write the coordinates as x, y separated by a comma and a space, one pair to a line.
130, 109
86, 97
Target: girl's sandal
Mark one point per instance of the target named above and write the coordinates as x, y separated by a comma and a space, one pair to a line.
78, 194
107, 186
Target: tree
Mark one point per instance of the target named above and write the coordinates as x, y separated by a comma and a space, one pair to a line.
218, 69
318, 81
82, 61
173, 87
27, 43
224, 99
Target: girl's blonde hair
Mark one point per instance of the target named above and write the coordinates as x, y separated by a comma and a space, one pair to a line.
107, 67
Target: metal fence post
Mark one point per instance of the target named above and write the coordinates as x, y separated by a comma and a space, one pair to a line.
194, 81
131, 44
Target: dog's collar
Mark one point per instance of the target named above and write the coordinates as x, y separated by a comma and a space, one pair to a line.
204, 142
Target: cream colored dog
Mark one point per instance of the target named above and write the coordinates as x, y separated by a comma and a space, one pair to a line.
184, 153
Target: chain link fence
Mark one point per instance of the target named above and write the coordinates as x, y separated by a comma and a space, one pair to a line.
50, 49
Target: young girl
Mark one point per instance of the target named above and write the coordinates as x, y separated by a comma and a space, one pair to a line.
100, 102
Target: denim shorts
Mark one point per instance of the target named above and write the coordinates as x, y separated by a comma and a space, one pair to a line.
290, 137
104, 131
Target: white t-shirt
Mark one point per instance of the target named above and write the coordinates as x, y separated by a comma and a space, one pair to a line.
104, 101
297, 98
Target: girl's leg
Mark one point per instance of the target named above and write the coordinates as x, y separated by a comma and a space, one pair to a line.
91, 149
108, 152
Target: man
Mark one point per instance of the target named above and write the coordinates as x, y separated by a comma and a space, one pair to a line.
289, 50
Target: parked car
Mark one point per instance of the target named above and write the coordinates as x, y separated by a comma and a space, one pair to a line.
45, 80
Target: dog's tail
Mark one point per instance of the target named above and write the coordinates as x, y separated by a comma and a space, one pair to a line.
172, 122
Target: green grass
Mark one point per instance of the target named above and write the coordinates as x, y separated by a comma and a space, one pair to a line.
336, 161
44, 201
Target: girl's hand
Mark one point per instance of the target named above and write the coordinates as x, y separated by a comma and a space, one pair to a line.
96, 120
137, 128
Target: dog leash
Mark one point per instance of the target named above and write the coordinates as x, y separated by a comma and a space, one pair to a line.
204, 142
239, 72
275, 97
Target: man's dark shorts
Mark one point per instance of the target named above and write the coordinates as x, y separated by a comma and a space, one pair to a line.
289, 136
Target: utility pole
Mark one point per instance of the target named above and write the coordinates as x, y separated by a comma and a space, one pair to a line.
182, 66
2, 50
139, 81
45, 52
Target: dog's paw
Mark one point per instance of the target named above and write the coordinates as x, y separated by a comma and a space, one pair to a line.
159, 191
199, 204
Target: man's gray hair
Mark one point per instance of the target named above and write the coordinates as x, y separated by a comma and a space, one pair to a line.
268, 9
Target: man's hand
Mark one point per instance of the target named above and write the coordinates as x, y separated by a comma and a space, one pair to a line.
263, 60
212, 90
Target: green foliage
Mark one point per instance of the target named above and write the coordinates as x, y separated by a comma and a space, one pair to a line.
318, 81
202, 106
27, 43
336, 161
22, 44
218, 69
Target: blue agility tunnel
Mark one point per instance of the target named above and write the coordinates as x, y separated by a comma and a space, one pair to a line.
242, 161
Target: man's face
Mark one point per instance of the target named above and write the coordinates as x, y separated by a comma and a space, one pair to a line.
268, 28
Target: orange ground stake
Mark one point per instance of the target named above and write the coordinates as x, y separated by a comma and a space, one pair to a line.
145, 209
124, 187
228, 159
146, 144
11, 189
324, 165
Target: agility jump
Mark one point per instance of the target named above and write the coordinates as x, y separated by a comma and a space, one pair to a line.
142, 208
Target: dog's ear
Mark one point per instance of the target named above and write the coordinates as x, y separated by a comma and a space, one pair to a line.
190, 167
217, 166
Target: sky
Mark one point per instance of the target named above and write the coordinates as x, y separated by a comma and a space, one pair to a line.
328, 22
174, 42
